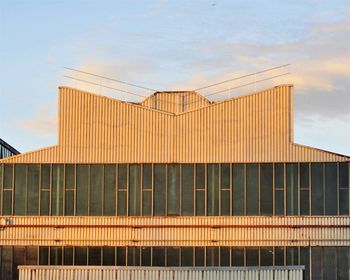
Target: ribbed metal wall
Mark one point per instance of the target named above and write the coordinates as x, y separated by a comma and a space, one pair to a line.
157, 273
252, 128
175, 231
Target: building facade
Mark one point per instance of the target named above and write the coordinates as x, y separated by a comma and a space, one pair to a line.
176, 180
7, 150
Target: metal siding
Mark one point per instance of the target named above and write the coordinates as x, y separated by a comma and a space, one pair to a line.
252, 128
175, 231
157, 273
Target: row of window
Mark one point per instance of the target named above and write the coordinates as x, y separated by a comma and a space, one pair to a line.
6, 150
326, 262
175, 189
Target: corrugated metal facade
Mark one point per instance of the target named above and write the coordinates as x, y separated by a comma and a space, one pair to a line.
175, 231
252, 128
156, 273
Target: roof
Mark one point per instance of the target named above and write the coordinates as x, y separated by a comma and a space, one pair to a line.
257, 127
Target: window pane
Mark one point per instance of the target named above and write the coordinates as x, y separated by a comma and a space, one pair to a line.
292, 188
252, 256
200, 176
80, 256
213, 190
20, 189
279, 176
212, 256
304, 175
279, 203
344, 175
343, 202
147, 176
146, 256
173, 256
225, 256
7, 208
187, 256
70, 176
304, 202
146, 203
45, 203
158, 256
94, 256
68, 256
200, 210
317, 263
225, 176
133, 256
330, 265
237, 257
31, 255
43, 255
82, 189
1, 177
6, 265
173, 193
96, 183
343, 258
122, 200
19, 258
69, 203
292, 256
266, 189
279, 256
121, 256
108, 255
55, 255
331, 195
45, 176
199, 256
8, 173
252, 189
57, 190
305, 260
187, 195
135, 190
33, 189
109, 194
317, 189
122, 176
238, 189
225, 203
266, 256
159, 189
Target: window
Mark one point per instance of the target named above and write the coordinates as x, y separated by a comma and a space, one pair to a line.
238, 190
213, 190
252, 196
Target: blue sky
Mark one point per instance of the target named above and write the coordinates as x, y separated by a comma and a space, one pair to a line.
174, 45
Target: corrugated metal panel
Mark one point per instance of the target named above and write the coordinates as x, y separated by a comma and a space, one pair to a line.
159, 273
175, 231
252, 128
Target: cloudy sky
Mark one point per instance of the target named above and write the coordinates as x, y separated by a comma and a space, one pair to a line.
175, 45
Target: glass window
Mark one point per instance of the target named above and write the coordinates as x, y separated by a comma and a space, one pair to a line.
19, 258
173, 192
94, 256
200, 200
8, 173
330, 265
133, 256
279, 256
122, 203
292, 256
317, 263
344, 175
343, 258
121, 256
266, 256
68, 256
69, 203
212, 256
33, 189
147, 203
55, 255
0, 196
45, 176
187, 256
213, 190
317, 196
225, 256
7, 208
237, 256
122, 190
331, 192
225, 176
343, 202
20, 189
200, 176
80, 256
96, 181
43, 255
109, 194
31, 256
304, 202
108, 254
305, 260
122, 176
266, 189
158, 256
304, 175
173, 257
147, 176
57, 190
279, 189
225, 203
45, 203
70, 177
199, 256
146, 256
70, 186
135, 190
252, 256
238, 189
187, 192
82, 189
292, 188
159, 189
252, 196
6, 265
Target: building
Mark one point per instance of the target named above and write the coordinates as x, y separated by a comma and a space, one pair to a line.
176, 180
7, 150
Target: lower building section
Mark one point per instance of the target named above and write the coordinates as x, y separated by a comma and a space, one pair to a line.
320, 262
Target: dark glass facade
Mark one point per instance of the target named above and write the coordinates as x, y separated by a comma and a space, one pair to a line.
7, 150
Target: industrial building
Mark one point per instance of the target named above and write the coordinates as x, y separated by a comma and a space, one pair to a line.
176, 180
6, 150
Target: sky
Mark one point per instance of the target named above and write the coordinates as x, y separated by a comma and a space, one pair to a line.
175, 45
